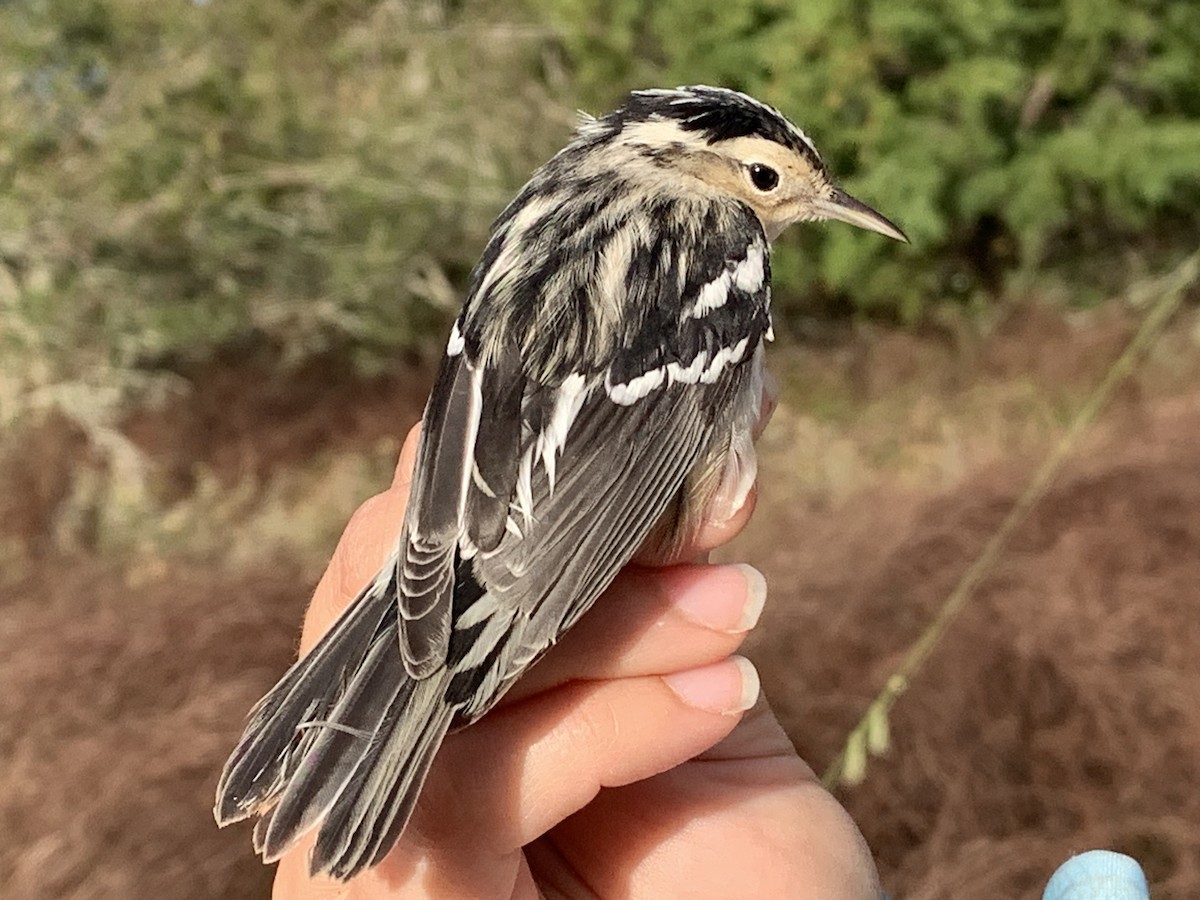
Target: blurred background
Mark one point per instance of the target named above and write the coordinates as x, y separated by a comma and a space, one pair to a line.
233, 234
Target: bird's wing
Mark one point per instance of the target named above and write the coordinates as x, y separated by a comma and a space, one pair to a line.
531, 493
534, 483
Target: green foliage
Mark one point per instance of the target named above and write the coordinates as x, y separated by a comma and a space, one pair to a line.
1037, 134
176, 176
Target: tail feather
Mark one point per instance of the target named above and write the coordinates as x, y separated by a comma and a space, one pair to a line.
403, 798
256, 771
329, 763
342, 744
372, 810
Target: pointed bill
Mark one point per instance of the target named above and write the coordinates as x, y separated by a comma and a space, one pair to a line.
844, 208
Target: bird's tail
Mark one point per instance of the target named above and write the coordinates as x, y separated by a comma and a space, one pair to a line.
342, 743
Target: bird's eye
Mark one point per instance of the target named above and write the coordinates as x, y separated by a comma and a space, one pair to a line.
764, 177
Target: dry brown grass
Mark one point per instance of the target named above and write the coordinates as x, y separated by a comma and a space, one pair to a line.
1058, 715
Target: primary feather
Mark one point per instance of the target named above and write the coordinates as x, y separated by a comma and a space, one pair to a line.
598, 393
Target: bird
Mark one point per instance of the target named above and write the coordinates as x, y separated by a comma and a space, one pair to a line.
596, 400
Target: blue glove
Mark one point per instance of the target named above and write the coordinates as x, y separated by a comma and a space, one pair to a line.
1098, 875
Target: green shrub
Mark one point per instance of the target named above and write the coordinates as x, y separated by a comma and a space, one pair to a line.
1032, 134
176, 176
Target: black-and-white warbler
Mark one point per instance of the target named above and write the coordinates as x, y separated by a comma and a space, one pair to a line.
598, 395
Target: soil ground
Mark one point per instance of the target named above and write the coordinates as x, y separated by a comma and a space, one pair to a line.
1058, 714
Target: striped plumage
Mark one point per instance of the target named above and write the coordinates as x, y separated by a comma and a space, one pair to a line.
597, 396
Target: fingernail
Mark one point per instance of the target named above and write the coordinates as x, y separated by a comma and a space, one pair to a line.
727, 687
724, 598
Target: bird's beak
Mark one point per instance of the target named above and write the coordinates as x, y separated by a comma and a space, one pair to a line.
844, 208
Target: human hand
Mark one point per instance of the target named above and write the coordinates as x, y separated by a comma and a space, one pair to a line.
635, 760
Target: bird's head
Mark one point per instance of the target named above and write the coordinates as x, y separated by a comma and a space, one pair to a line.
727, 143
